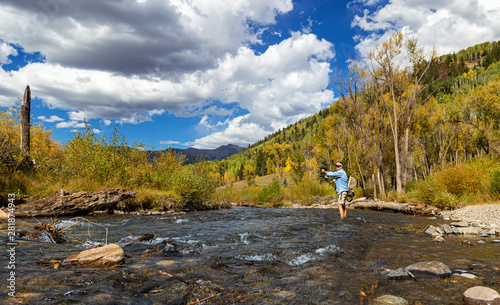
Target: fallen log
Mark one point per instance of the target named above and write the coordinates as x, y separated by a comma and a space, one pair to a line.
408, 208
64, 203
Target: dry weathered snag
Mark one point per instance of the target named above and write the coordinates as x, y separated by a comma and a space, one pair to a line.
25, 121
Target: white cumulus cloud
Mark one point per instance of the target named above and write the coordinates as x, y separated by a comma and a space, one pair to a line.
128, 61
448, 25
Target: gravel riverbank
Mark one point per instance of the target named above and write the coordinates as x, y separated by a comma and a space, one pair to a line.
483, 215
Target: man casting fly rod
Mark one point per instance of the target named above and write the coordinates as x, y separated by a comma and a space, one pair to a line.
340, 186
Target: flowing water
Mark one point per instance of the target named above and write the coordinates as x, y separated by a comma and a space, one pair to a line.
251, 256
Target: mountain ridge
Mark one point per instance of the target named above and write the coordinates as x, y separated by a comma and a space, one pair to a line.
194, 155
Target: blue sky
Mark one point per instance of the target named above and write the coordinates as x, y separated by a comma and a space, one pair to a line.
203, 73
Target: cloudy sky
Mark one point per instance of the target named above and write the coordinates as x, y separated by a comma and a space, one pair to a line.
198, 73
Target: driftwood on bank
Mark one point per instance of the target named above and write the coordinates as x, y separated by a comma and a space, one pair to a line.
409, 208
64, 203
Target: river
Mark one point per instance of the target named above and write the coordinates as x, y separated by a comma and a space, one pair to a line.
251, 256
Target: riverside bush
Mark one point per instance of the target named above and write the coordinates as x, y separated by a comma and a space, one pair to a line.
463, 184
308, 188
271, 194
444, 199
195, 184
495, 183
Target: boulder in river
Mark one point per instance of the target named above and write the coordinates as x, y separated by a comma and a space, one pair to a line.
64, 203
105, 256
480, 295
430, 268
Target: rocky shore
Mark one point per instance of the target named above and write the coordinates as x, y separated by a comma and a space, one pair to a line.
481, 215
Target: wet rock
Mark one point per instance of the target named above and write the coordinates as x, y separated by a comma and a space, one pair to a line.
169, 249
105, 256
389, 300
429, 268
438, 239
480, 295
146, 237
464, 276
397, 274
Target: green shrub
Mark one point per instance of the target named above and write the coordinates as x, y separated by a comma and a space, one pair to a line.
194, 185
444, 199
392, 196
472, 182
271, 194
495, 183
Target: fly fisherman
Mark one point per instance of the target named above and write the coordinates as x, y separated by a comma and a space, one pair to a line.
340, 186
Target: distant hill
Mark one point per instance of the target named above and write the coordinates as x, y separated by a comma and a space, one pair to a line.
193, 155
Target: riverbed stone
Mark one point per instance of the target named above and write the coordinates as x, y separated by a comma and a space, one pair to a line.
105, 256
438, 238
447, 229
468, 230
488, 231
398, 274
431, 230
462, 223
465, 277
389, 300
480, 295
429, 268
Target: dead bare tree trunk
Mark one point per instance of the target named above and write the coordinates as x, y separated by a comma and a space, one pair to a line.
25, 122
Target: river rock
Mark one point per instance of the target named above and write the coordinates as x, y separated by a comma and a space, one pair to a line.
480, 295
488, 231
434, 231
389, 300
64, 203
430, 268
462, 223
109, 255
464, 276
468, 230
447, 229
438, 238
397, 274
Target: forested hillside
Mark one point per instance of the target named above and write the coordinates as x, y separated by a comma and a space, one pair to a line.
429, 130
392, 125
